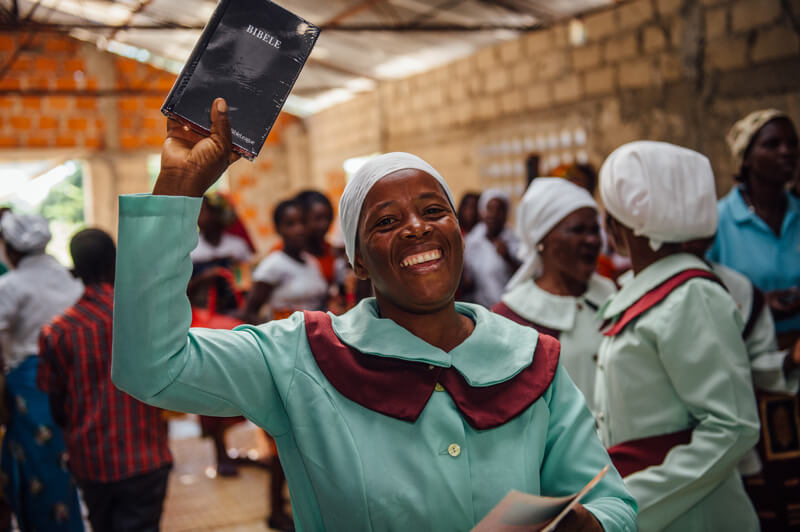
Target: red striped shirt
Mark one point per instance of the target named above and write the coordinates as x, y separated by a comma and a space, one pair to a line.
109, 435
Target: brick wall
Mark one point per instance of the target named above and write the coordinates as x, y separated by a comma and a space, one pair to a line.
64, 95
676, 70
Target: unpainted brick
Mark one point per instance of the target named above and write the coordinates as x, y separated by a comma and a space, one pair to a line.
497, 80
48, 122
669, 67
538, 96
552, 65
522, 73
668, 7
567, 89
726, 54
716, 22
512, 101
7, 43
600, 81
748, 14
10, 83
654, 39
9, 142
621, 48
59, 103
20, 122
585, 57
634, 14
538, 42
66, 141
77, 124
511, 51
775, 42
635, 74
486, 58
37, 141
31, 103
600, 25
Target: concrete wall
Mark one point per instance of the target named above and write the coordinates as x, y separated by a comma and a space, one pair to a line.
675, 70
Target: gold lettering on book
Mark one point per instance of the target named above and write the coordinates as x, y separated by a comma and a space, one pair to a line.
262, 35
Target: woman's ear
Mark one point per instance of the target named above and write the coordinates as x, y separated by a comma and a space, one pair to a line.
358, 267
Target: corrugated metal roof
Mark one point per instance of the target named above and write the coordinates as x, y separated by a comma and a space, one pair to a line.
363, 41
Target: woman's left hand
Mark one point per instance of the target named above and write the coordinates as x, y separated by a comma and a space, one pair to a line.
784, 303
580, 520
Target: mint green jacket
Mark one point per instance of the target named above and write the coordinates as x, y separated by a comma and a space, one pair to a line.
681, 365
349, 468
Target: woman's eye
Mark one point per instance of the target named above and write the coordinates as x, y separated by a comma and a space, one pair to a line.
384, 221
434, 210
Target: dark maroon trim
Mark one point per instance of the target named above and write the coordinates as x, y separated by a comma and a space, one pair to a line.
656, 295
756, 307
401, 388
505, 311
634, 455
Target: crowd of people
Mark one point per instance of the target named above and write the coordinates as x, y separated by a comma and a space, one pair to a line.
627, 319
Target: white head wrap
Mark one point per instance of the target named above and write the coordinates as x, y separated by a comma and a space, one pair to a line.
661, 191
547, 201
363, 180
489, 195
27, 233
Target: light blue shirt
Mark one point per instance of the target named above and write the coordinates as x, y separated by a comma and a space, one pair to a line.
349, 468
746, 243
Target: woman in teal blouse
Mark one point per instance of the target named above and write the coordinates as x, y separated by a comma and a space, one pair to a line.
411, 411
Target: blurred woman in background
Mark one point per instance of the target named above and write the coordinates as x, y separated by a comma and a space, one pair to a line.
759, 220
490, 251
556, 290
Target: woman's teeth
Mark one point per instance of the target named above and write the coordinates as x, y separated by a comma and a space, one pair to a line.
420, 258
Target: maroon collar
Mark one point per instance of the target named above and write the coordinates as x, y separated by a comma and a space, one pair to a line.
505, 311
401, 388
656, 295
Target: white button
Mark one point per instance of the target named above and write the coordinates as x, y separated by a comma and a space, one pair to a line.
438, 387
601, 417
454, 449
430, 366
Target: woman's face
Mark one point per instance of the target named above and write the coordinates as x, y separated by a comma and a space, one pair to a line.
468, 216
773, 155
292, 229
495, 216
409, 242
571, 248
319, 220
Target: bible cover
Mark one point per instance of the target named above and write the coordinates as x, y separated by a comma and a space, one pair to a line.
250, 53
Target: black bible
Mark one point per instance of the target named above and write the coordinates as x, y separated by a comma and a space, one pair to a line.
250, 53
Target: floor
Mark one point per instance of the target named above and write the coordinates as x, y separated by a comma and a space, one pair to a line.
198, 500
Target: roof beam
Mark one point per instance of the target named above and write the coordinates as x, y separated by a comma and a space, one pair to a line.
399, 28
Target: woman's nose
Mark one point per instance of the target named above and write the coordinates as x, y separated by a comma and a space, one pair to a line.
416, 227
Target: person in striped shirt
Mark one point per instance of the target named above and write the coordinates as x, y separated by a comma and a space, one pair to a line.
117, 445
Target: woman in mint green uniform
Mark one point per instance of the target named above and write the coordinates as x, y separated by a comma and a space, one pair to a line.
411, 411
674, 393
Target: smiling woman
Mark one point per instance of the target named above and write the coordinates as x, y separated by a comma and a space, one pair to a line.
410, 411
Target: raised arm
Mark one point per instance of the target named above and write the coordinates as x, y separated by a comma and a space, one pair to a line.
156, 357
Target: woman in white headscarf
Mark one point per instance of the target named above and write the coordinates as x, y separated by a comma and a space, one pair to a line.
490, 251
556, 290
408, 412
674, 396
35, 290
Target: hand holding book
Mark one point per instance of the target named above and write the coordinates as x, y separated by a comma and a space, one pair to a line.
191, 163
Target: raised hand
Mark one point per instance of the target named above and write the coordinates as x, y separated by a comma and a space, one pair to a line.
191, 163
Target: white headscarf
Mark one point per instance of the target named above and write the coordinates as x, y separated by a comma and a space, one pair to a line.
660, 191
363, 180
27, 233
489, 195
547, 201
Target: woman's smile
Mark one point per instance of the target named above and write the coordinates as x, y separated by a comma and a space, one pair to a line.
424, 259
